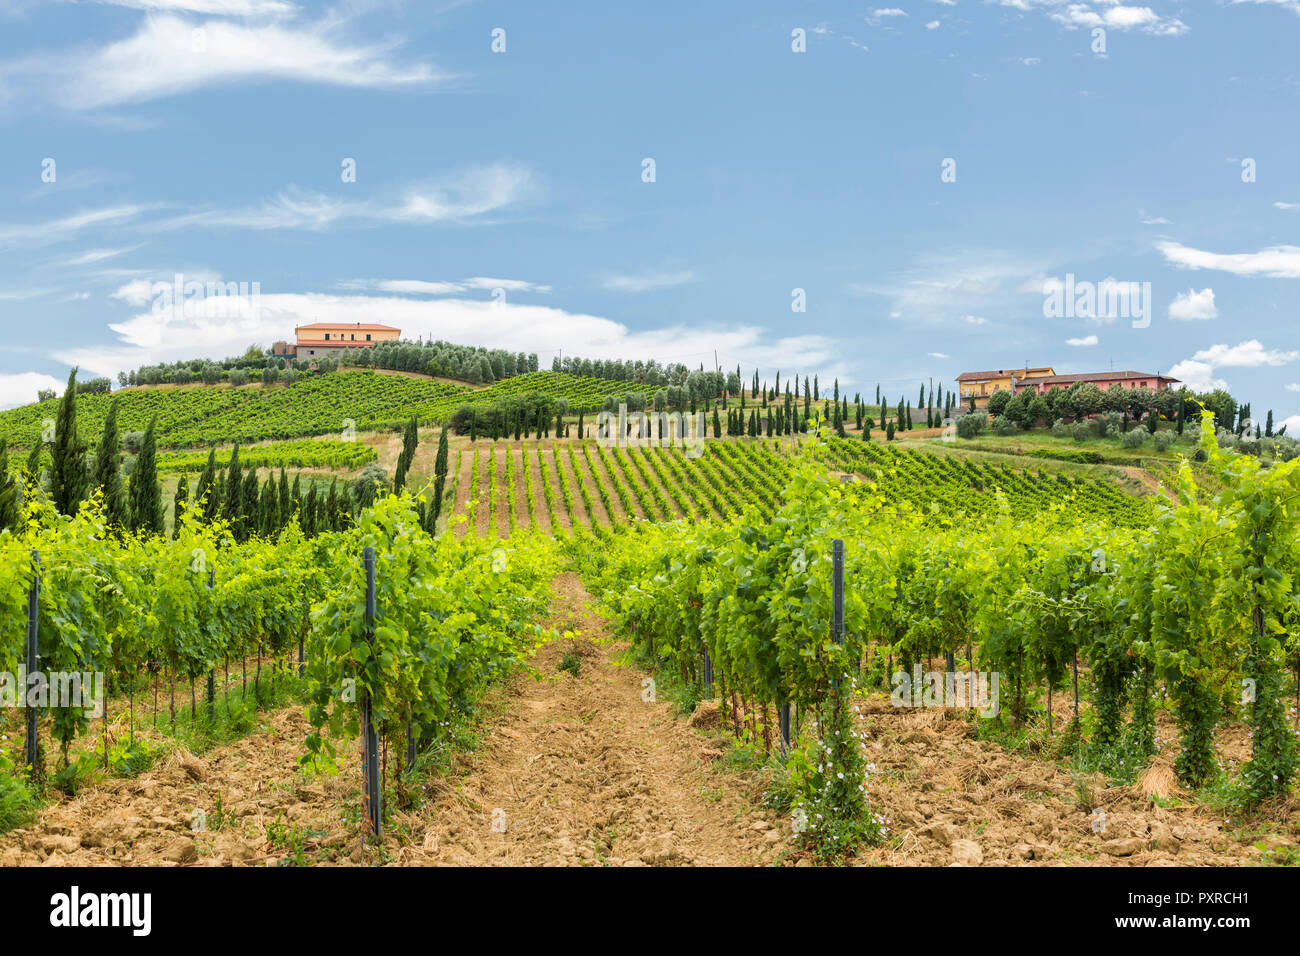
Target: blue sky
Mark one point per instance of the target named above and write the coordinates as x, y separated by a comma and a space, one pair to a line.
208, 138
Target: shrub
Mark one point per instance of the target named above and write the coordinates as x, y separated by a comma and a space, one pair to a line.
1137, 437
17, 803
1080, 431
1284, 448
970, 425
1110, 425
1163, 439
238, 376
373, 480
1060, 429
1004, 426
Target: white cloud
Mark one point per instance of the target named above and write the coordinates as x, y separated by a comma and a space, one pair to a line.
1198, 371
938, 355
1084, 341
889, 12
1156, 221
1198, 376
647, 282
161, 60
1292, 387
1248, 354
1277, 262
1291, 423
1029, 61
1109, 14
1288, 206
150, 337
932, 25
974, 319
1194, 305
20, 388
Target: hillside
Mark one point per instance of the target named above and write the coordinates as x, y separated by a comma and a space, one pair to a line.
201, 415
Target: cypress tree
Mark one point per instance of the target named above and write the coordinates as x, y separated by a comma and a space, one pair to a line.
581, 433
268, 511
232, 504
144, 493
309, 512
410, 441
32, 470
178, 503
8, 492
108, 471
206, 492
473, 425
284, 501
68, 477
248, 510
296, 497
717, 423
816, 394
1268, 425
439, 483
332, 507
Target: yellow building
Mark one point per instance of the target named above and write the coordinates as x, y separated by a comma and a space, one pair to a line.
982, 385
323, 338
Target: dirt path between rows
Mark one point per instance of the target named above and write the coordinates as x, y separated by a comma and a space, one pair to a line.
583, 771
573, 770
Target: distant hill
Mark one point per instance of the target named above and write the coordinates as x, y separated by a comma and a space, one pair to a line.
201, 415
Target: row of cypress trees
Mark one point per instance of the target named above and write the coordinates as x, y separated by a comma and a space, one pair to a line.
73, 475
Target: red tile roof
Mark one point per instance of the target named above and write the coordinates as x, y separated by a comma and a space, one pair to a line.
331, 326
999, 373
1100, 377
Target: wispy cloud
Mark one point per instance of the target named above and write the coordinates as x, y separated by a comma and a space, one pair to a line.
427, 287
461, 198
1277, 262
648, 282
1292, 5
1082, 342
59, 230
221, 8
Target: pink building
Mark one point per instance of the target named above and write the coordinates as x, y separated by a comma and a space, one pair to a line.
1103, 380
